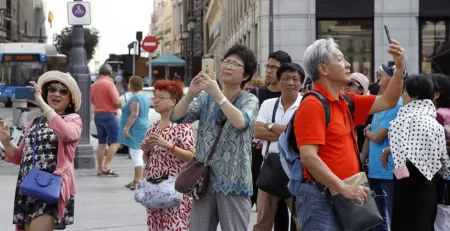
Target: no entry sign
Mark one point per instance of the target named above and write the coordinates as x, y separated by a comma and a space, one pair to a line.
150, 44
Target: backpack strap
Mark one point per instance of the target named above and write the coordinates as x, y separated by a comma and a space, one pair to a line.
324, 102
274, 113
351, 105
326, 107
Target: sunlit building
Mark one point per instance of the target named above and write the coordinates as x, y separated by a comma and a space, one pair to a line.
23, 21
422, 27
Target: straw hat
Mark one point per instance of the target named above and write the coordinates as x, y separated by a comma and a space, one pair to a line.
67, 80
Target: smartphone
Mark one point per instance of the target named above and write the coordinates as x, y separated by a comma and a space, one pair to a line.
208, 67
24, 93
387, 34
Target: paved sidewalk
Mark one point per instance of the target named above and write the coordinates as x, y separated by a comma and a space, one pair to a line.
101, 203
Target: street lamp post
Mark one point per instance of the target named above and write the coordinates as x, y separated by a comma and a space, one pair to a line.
181, 41
191, 26
78, 68
185, 36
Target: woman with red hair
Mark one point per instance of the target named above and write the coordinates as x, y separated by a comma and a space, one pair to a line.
167, 147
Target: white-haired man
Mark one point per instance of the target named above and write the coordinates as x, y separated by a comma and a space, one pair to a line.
329, 153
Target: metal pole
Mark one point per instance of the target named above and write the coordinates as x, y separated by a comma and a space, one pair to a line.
150, 68
191, 58
270, 26
134, 58
78, 68
186, 65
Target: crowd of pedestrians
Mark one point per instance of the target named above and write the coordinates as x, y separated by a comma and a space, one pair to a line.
393, 140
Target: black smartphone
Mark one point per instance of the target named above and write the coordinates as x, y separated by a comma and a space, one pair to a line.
24, 93
387, 34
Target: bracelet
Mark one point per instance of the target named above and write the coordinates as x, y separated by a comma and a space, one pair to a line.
222, 101
172, 149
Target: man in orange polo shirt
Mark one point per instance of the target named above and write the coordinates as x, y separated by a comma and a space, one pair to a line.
329, 153
106, 101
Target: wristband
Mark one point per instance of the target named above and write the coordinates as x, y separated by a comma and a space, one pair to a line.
172, 149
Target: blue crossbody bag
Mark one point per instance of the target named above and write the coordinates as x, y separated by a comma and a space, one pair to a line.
39, 184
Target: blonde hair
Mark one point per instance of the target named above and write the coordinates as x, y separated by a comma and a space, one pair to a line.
136, 83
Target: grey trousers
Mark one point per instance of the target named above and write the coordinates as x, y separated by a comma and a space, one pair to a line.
232, 212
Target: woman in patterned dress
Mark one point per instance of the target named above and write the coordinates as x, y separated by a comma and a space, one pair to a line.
167, 147
52, 138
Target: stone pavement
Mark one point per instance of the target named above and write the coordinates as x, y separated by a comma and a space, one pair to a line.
101, 203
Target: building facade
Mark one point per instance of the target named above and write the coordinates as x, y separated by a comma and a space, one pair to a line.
23, 21
192, 36
422, 27
166, 25
212, 29
162, 26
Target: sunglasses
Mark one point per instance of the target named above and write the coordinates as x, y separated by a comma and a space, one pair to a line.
351, 84
54, 89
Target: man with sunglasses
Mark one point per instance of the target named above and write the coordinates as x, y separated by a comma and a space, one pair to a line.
359, 85
376, 146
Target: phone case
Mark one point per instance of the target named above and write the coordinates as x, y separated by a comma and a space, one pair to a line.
208, 66
24, 93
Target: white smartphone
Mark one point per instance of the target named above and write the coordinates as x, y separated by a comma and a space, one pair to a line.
17, 136
208, 67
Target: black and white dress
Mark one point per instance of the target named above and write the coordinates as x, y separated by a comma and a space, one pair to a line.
27, 208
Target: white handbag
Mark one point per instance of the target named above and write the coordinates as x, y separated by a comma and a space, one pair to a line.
442, 222
158, 194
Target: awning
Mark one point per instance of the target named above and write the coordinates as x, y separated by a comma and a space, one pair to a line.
166, 60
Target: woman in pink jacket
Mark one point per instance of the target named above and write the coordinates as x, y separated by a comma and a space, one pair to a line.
58, 132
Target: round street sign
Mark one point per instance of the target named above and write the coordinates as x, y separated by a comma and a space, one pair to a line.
150, 44
78, 10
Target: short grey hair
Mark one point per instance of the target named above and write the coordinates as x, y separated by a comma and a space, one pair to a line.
105, 69
318, 52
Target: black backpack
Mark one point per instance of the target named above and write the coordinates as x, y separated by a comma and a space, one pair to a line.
326, 107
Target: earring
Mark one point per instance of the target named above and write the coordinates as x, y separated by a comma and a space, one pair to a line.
70, 105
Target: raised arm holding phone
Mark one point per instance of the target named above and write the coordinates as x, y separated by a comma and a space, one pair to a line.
330, 157
224, 134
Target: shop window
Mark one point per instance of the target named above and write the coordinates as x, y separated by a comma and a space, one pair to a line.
434, 39
355, 38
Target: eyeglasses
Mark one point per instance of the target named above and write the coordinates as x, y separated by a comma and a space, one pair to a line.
54, 89
233, 64
308, 87
159, 98
373, 194
272, 67
351, 84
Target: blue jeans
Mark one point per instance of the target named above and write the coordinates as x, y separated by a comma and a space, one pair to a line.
314, 210
384, 190
107, 128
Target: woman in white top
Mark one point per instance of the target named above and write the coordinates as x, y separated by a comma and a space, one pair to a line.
419, 154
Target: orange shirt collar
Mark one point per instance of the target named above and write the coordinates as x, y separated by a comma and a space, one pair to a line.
327, 94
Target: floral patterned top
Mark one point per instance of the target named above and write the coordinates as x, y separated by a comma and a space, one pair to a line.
161, 162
